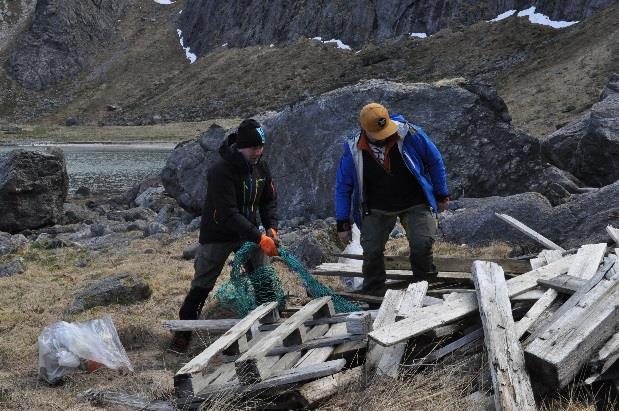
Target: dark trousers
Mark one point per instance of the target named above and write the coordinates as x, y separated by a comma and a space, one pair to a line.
208, 264
420, 225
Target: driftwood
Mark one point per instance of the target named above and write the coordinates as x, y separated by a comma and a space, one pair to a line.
113, 398
427, 318
449, 264
512, 387
529, 232
560, 350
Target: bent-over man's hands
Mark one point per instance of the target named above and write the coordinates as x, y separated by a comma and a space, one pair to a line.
268, 246
272, 232
443, 205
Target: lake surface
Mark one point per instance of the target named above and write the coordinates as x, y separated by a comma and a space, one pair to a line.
107, 168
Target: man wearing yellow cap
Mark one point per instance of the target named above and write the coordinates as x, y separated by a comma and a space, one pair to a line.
390, 170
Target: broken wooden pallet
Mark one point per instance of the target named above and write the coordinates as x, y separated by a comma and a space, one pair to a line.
279, 354
449, 264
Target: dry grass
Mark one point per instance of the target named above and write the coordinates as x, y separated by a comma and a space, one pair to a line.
172, 132
38, 297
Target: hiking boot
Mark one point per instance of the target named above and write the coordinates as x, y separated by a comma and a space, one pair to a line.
375, 292
180, 342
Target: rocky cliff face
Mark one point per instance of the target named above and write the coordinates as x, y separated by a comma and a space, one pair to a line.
63, 36
209, 24
14, 15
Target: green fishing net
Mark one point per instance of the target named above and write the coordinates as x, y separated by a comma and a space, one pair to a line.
245, 291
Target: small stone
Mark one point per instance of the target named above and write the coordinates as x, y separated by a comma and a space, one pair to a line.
189, 253
82, 191
71, 121
154, 228
14, 267
81, 263
122, 288
97, 229
150, 251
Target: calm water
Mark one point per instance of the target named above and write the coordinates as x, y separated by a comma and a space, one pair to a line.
107, 168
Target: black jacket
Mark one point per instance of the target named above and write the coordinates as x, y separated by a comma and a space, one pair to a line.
235, 193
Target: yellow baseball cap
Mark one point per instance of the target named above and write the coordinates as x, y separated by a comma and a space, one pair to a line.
374, 119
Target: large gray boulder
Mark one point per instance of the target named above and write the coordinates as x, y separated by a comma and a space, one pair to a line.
581, 220
589, 147
484, 154
33, 188
122, 288
209, 24
472, 220
61, 40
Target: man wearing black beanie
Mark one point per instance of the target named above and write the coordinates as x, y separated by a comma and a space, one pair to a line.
239, 187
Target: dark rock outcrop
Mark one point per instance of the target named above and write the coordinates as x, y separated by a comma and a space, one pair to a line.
580, 220
61, 40
209, 24
484, 154
14, 16
589, 147
122, 288
33, 188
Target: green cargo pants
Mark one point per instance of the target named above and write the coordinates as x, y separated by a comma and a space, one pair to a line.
210, 261
420, 226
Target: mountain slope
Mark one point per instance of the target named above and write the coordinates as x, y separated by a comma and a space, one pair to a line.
546, 76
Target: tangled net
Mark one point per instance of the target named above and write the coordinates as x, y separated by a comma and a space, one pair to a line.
245, 291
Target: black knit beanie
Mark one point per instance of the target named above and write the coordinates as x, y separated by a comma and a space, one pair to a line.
250, 134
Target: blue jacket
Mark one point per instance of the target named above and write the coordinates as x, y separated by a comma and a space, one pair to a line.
420, 156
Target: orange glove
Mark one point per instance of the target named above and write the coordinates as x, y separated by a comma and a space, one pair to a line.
272, 232
268, 246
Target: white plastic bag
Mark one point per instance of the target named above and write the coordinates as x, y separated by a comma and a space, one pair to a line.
64, 346
354, 247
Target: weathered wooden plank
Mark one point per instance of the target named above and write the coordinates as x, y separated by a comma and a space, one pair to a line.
113, 398
321, 353
613, 233
427, 318
564, 284
316, 391
529, 232
250, 366
587, 267
546, 300
450, 264
212, 326
279, 379
359, 323
355, 319
386, 315
532, 295
348, 270
607, 356
559, 352
455, 345
230, 337
512, 386
289, 357
389, 364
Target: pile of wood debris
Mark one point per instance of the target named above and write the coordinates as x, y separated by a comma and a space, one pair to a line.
543, 322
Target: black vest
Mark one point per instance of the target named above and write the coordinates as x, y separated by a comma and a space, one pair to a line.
394, 191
